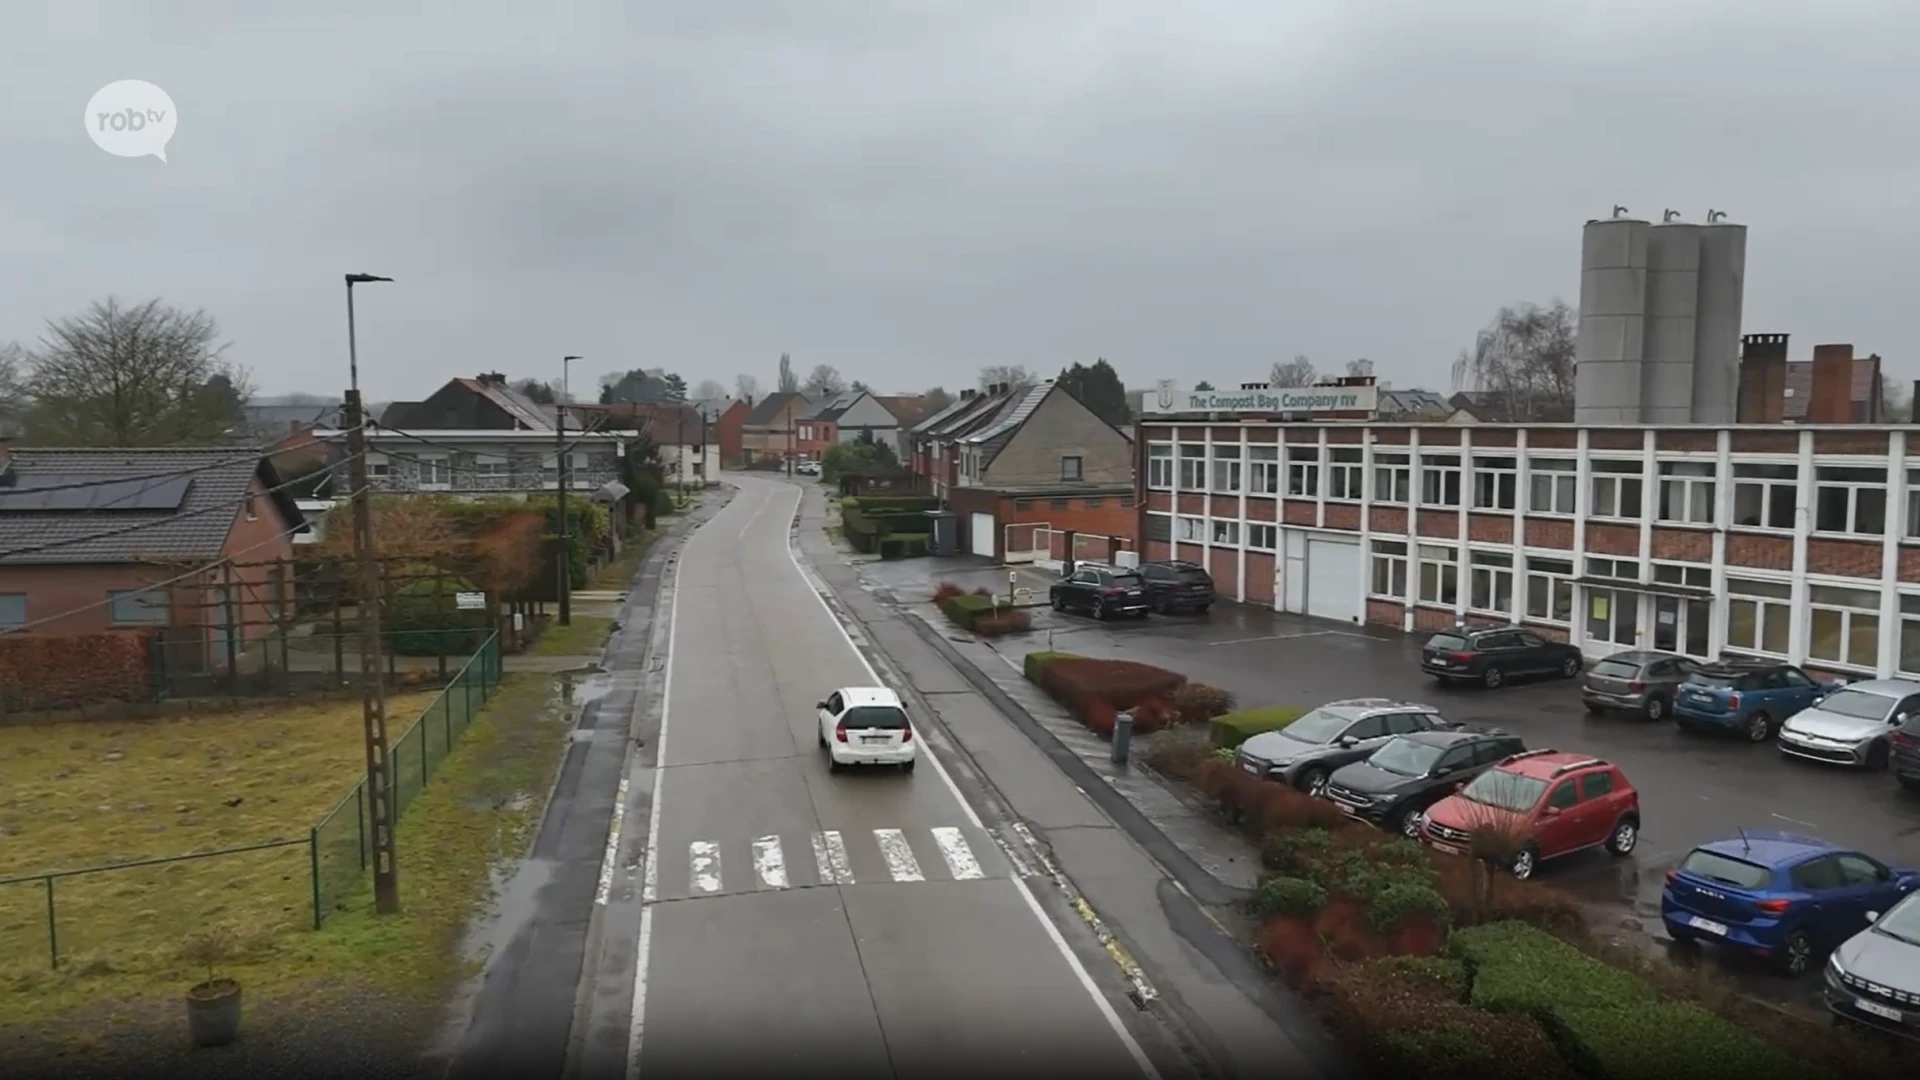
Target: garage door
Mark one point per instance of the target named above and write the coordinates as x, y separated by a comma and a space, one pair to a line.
982, 533
1333, 579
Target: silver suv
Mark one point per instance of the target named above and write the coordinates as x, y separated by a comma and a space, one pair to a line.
1873, 978
1307, 751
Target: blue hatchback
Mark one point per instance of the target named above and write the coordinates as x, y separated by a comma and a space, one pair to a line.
1780, 896
1749, 697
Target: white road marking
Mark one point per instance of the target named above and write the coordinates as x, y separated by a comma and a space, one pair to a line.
769, 863
830, 858
899, 855
705, 857
764, 503
1060, 945
959, 857
605, 888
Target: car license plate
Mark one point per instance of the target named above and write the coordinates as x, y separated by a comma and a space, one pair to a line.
1437, 662
1876, 1009
1708, 925
873, 738
1250, 767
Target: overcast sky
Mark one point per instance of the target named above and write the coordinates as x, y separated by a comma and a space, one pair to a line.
908, 191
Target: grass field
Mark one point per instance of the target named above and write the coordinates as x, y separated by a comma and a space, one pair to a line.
583, 637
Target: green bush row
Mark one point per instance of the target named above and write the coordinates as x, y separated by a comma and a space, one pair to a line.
1036, 662
961, 610
1234, 728
883, 503
902, 547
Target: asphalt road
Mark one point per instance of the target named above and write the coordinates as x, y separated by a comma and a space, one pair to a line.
1692, 788
796, 920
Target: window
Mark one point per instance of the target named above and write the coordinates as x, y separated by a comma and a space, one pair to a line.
1159, 527
1616, 489
1613, 569
378, 466
1850, 500
13, 609
1373, 727
1845, 625
1490, 581
1023, 504
435, 470
1226, 468
1346, 475
1913, 502
1440, 480
1693, 577
1551, 485
1192, 528
1563, 795
137, 607
1226, 532
1550, 589
1495, 480
1439, 572
1303, 471
1613, 616
1390, 569
491, 468
1910, 634
1070, 468
1265, 464
1193, 467
1262, 537
1391, 478
1125, 500
1094, 503
1159, 465
1758, 615
252, 512
835, 704
1595, 784
1764, 496
1059, 504
1686, 492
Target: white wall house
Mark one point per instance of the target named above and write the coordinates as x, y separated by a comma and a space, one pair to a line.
481, 461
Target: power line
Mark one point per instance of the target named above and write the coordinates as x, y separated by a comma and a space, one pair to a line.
594, 430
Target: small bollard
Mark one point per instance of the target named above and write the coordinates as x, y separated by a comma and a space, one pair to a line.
1122, 737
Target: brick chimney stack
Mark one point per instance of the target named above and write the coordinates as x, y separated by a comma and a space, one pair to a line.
1763, 379
1830, 401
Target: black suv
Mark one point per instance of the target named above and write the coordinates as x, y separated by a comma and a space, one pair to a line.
1100, 590
1174, 585
1400, 780
1488, 657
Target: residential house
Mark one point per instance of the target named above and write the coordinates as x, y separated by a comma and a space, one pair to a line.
1413, 405
852, 416
1835, 387
482, 403
680, 434
727, 429
769, 432
1025, 470
188, 542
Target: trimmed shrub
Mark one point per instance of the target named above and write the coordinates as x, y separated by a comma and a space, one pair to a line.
1035, 662
1097, 716
1234, 728
1296, 852
894, 546
1002, 622
945, 591
1151, 715
1519, 968
1120, 683
1294, 949
1289, 896
1401, 903
963, 610
1666, 1039
1529, 902
1272, 807
1405, 1016
1197, 703
1437, 974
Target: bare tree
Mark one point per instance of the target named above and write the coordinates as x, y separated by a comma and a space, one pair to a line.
709, 391
746, 388
1896, 398
823, 381
1295, 372
936, 399
788, 382
1360, 368
148, 375
11, 363
1524, 360
1014, 375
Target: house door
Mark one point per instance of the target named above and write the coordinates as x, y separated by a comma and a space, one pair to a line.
1613, 620
1682, 626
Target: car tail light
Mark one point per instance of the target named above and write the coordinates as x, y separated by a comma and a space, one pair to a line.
1905, 741
1113, 590
1636, 686
1772, 907
906, 734
1463, 657
840, 731
1733, 702
1672, 874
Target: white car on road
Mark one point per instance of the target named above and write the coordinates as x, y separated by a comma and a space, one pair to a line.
866, 725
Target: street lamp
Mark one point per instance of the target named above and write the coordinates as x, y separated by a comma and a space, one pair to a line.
565, 561
353, 351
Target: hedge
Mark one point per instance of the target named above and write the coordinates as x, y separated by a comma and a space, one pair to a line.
1036, 662
1666, 1039
1520, 968
1289, 896
1234, 728
963, 609
902, 547
884, 503
1123, 684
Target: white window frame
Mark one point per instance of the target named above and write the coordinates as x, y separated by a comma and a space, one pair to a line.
1190, 529
1769, 601
1906, 657
1303, 472
1857, 490
1688, 575
1756, 486
1226, 532
1160, 466
1913, 503
1263, 470
1496, 485
1848, 616
1226, 468
1262, 537
1613, 490
1392, 477
1078, 473
1389, 568
1550, 580
491, 467
1489, 574
1442, 585
1193, 467
1686, 492
1612, 568
435, 471
1346, 474
1553, 486
1440, 480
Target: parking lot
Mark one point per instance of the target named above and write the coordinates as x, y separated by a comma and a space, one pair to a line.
1692, 788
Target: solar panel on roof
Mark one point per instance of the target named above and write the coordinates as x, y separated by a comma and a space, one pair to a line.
53, 493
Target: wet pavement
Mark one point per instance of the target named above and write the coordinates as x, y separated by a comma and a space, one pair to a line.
1692, 788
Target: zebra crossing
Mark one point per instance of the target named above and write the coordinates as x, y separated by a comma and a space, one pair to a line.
829, 857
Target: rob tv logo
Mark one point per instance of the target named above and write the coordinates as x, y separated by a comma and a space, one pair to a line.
131, 118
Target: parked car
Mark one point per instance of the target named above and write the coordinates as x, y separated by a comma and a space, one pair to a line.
1488, 657
1874, 976
1854, 724
1550, 802
1748, 697
866, 725
1101, 590
1304, 753
1409, 773
806, 468
1778, 895
1642, 682
1174, 585
1906, 753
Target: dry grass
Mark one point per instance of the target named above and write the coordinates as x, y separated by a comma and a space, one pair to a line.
584, 636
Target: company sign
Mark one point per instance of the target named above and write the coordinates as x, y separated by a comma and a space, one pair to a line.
1264, 401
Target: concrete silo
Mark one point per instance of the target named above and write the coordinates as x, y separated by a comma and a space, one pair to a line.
1716, 350
1673, 292
1613, 307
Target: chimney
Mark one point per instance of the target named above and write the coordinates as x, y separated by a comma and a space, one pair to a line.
1831, 399
1763, 379
966, 395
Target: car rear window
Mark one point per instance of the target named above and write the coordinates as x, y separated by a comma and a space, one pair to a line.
1127, 581
1446, 641
869, 717
1718, 680
1616, 669
1195, 576
1716, 867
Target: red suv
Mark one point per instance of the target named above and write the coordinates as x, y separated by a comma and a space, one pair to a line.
1553, 801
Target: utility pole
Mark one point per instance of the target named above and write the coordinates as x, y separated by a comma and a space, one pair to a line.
563, 564
373, 690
